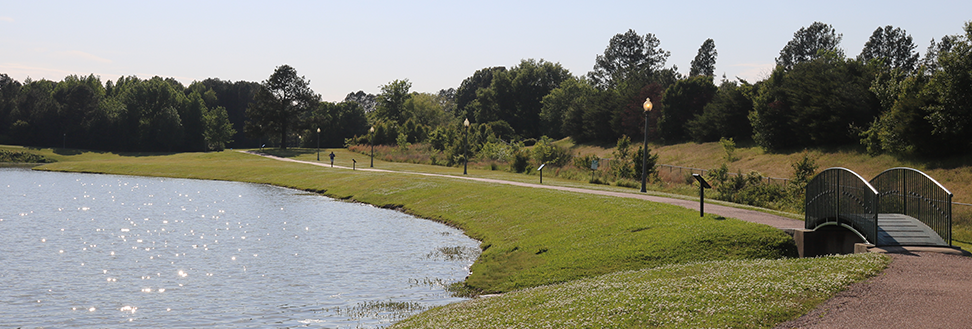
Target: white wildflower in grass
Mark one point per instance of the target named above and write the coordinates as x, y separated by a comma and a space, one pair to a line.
736, 293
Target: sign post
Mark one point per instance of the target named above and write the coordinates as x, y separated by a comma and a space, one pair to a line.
702, 186
593, 168
541, 172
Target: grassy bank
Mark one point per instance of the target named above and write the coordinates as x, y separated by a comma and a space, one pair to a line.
733, 294
542, 239
529, 237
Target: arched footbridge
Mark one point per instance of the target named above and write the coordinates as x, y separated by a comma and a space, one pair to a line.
899, 207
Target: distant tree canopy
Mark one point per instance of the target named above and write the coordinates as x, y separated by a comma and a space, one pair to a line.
810, 43
127, 115
705, 60
886, 100
629, 62
513, 96
280, 104
893, 46
815, 103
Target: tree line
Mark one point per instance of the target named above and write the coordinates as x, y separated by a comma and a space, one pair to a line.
886, 99
129, 114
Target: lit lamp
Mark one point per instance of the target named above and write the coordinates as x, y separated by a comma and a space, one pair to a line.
318, 143
644, 153
372, 139
465, 152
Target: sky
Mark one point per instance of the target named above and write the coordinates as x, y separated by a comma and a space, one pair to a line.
347, 46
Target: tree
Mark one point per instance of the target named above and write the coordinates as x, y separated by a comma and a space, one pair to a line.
218, 130
532, 80
368, 102
726, 116
279, 103
807, 44
79, 98
471, 86
338, 122
950, 112
816, 103
628, 62
426, 109
704, 62
235, 97
9, 89
514, 96
447, 99
631, 120
684, 101
894, 46
391, 102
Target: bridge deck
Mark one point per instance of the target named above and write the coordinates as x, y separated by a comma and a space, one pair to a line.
904, 230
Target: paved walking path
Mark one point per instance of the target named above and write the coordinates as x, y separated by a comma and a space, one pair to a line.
920, 289
742, 214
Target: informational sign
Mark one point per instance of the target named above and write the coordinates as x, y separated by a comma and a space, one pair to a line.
594, 164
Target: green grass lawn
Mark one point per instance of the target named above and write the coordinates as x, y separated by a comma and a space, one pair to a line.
530, 237
721, 294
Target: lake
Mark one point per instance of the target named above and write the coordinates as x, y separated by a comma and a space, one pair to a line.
123, 251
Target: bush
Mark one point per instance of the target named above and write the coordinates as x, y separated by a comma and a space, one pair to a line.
546, 152
22, 157
521, 160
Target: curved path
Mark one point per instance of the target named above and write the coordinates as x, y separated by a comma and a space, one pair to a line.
920, 289
742, 214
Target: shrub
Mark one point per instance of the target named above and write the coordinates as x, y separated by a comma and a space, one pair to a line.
546, 152
520, 161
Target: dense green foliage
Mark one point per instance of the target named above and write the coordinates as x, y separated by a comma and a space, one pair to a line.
816, 103
884, 99
22, 157
129, 114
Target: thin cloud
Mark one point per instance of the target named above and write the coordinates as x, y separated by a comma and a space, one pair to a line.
86, 56
21, 72
6, 19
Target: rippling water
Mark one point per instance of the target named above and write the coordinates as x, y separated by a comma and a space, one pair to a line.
114, 251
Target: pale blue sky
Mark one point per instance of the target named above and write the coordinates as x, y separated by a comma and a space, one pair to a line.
346, 46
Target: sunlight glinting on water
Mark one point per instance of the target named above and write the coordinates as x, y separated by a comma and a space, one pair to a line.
110, 251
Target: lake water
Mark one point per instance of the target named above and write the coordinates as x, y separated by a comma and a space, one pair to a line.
83, 250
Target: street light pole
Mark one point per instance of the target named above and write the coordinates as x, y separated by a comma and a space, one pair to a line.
465, 152
372, 133
644, 149
318, 143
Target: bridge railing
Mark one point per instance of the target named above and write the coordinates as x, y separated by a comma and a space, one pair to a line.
911, 192
838, 196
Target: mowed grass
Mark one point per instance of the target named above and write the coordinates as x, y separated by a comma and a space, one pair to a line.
530, 237
561, 259
720, 294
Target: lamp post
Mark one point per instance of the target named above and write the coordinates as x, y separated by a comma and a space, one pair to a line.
372, 139
465, 152
318, 143
644, 148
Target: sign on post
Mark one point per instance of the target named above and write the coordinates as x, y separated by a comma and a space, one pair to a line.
593, 168
702, 186
541, 172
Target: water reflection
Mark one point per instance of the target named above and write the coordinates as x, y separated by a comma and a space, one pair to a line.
111, 251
